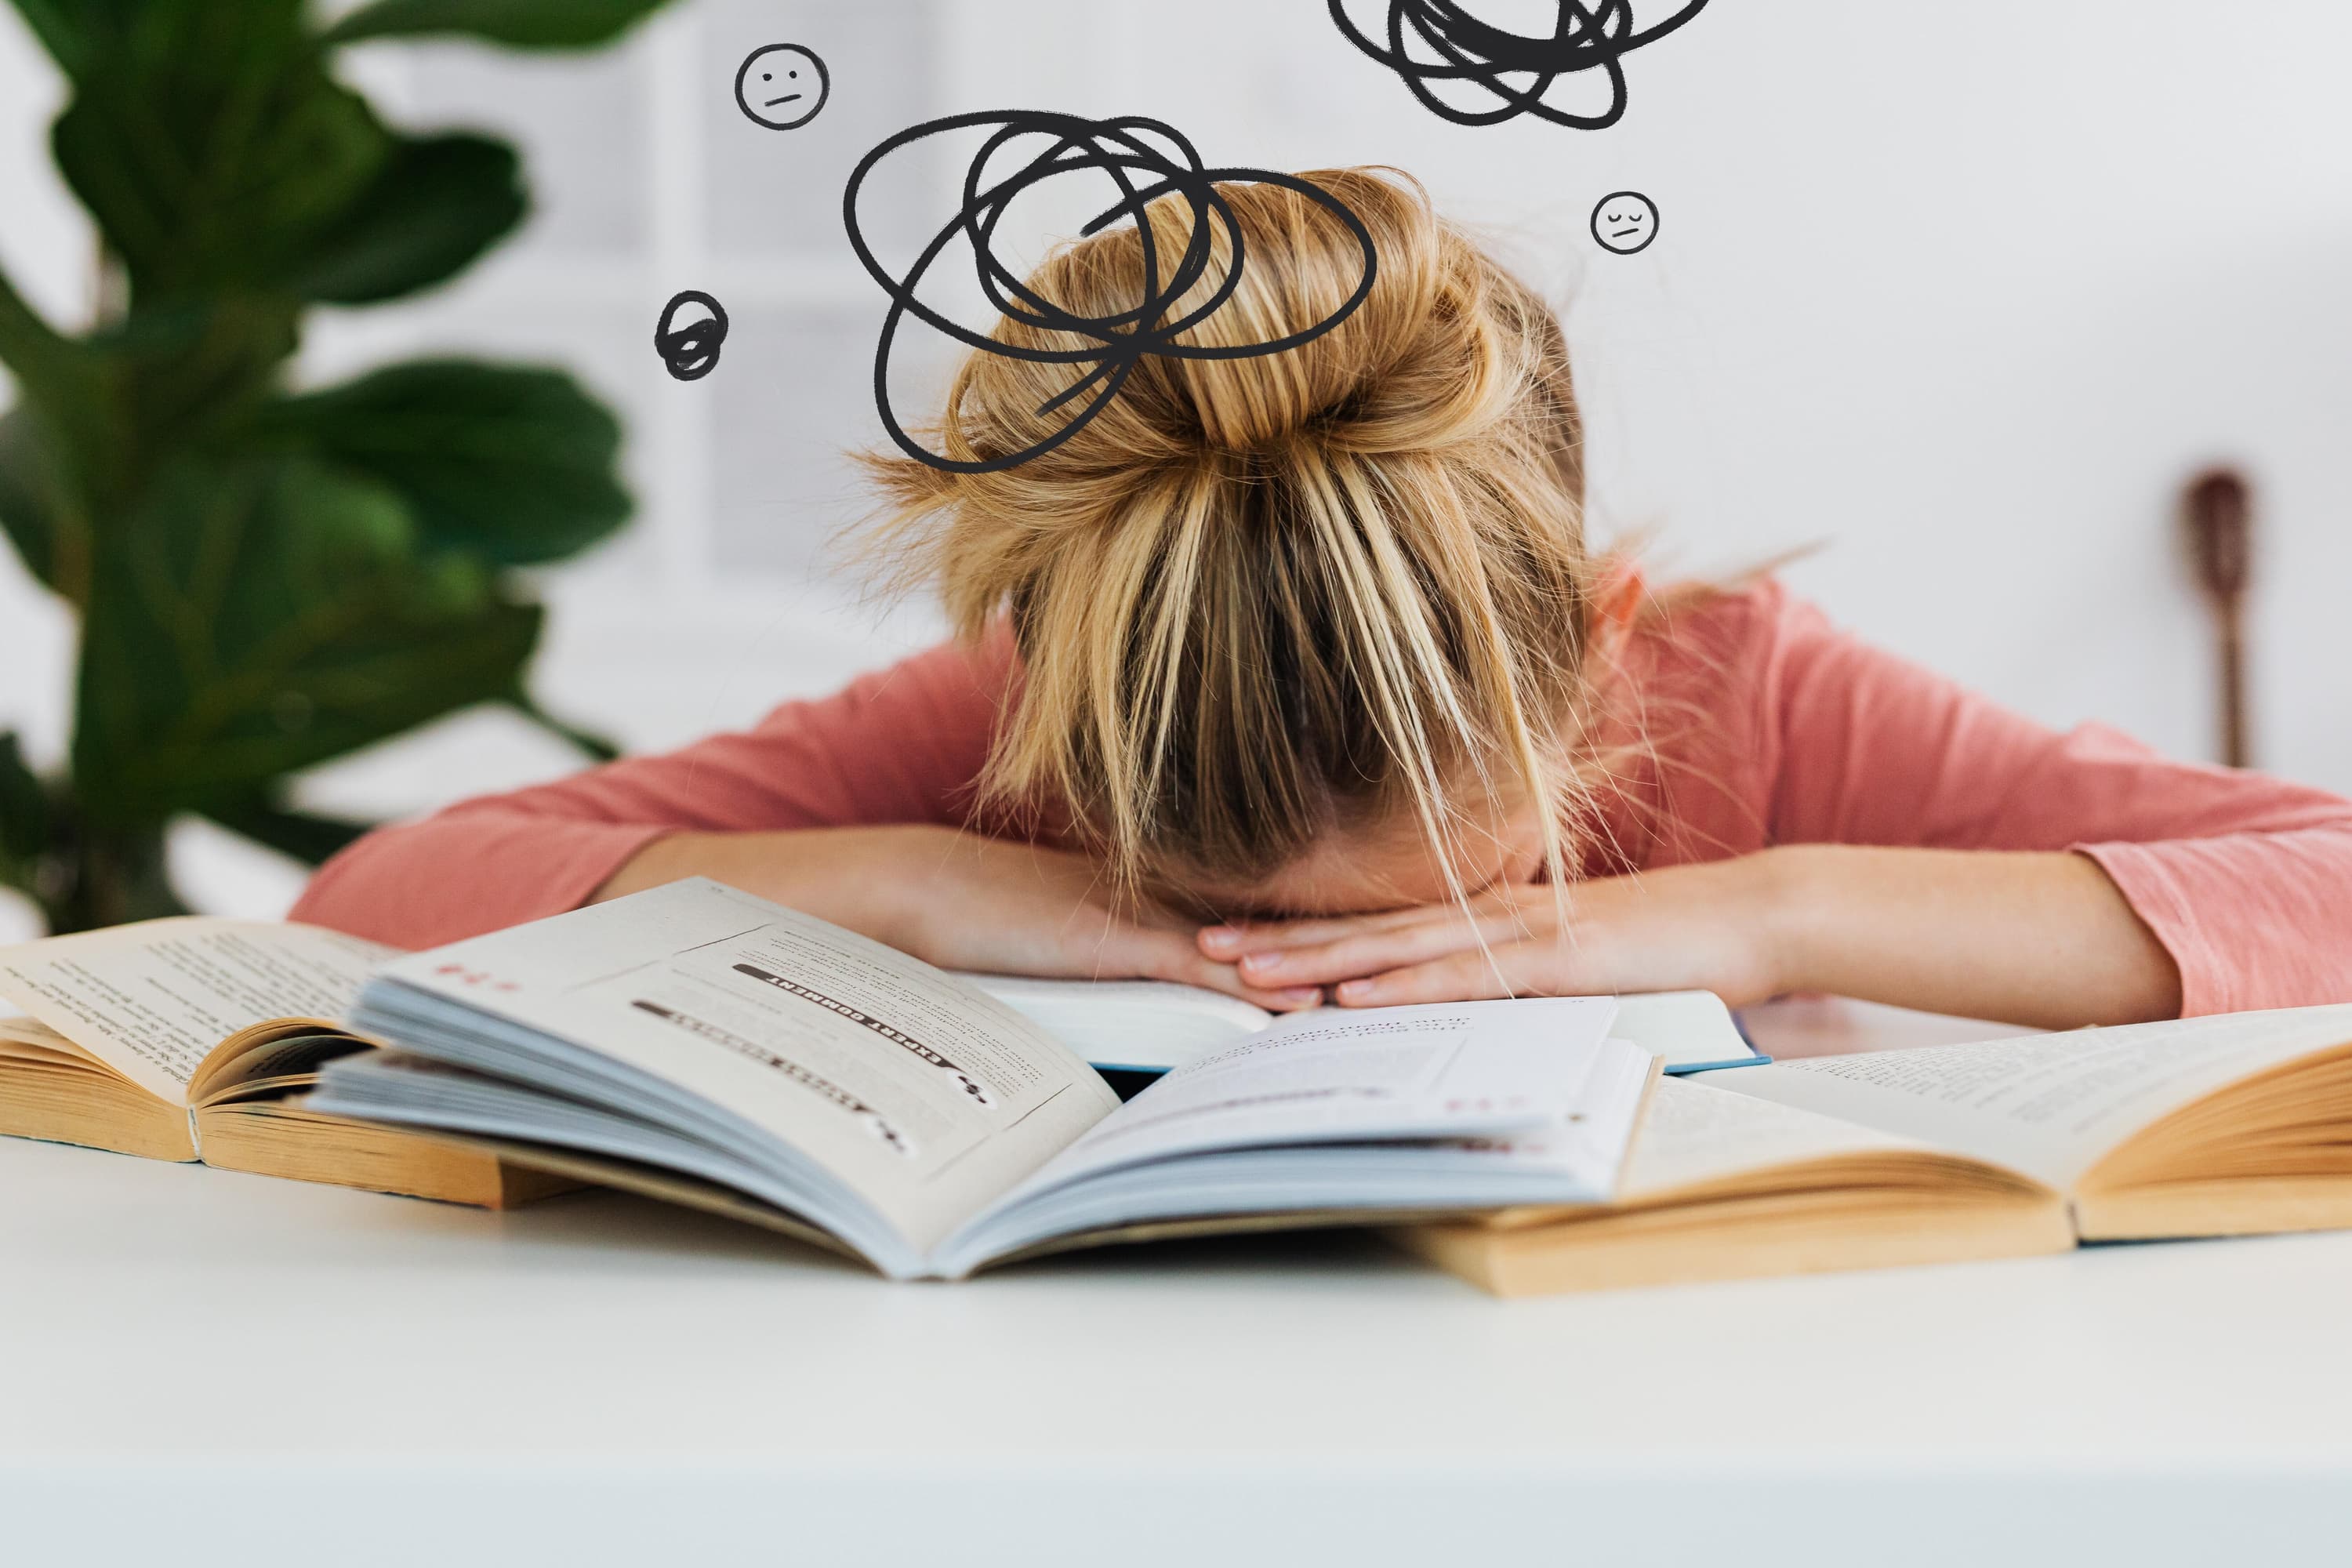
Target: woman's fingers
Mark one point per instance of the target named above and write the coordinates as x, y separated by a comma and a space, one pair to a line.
1472, 977
1236, 939
1192, 969
1061, 922
1375, 951
1230, 940
1170, 955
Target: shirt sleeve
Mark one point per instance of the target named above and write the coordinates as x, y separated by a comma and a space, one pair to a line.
2238, 875
902, 746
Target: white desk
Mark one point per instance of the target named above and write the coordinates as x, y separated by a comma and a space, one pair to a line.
200, 1367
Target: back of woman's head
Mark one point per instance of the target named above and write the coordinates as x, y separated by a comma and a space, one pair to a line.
1260, 600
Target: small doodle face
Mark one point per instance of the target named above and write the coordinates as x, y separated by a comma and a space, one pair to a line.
781, 86
687, 341
1625, 222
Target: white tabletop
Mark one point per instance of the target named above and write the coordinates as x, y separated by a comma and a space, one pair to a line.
197, 1366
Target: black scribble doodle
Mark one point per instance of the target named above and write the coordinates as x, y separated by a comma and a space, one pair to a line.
1431, 41
898, 1038
1146, 160
870, 1119
690, 352
781, 86
1624, 222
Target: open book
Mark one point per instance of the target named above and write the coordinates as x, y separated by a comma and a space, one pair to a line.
705, 1045
182, 1039
1140, 1028
2232, 1125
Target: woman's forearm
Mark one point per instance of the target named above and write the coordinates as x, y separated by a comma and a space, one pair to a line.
2044, 939
837, 874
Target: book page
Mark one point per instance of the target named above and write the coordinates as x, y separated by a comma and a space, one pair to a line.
921, 1093
1440, 1070
1152, 1025
152, 1000
1683, 1029
1145, 1026
28, 1039
1696, 1134
2049, 1105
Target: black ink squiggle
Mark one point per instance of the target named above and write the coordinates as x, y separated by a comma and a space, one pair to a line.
1120, 149
691, 352
1454, 46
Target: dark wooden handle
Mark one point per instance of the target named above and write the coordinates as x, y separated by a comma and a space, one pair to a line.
2235, 751
2218, 510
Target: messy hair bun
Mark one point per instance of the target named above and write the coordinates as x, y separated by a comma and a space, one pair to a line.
1259, 598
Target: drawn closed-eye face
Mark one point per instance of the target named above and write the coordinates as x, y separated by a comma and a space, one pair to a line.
781, 86
1624, 222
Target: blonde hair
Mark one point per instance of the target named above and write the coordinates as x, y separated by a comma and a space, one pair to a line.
1260, 599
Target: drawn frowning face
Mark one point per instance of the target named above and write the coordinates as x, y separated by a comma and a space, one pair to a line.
1624, 222
781, 86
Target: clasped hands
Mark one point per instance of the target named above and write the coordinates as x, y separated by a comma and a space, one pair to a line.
1704, 927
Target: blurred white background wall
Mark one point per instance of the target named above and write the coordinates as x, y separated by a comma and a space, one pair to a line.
1960, 296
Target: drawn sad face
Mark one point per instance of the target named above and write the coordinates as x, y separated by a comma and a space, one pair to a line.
1624, 222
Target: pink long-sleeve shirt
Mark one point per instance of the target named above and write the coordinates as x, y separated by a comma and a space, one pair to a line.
1761, 723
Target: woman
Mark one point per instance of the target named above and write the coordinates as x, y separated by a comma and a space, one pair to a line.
1294, 675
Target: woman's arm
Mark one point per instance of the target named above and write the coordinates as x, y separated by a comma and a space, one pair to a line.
2044, 940
1852, 823
851, 808
2240, 876
901, 745
2040, 939
957, 900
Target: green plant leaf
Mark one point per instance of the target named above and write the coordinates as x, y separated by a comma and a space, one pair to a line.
211, 148
520, 24
60, 27
95, 876
210, 167
514, 466
301, 835
29, 345
435, 206
193, 370
256, 617
46, 508
29, 508
23, 812
70, 379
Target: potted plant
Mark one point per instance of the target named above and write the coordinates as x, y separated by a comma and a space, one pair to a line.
267, 578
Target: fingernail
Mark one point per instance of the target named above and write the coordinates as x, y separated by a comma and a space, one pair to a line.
1302, 996
1262, 962
1221, 938
1358, 991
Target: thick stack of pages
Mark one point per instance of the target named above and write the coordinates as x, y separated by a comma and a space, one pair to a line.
708, 1047
184, 1039
2234, 1125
